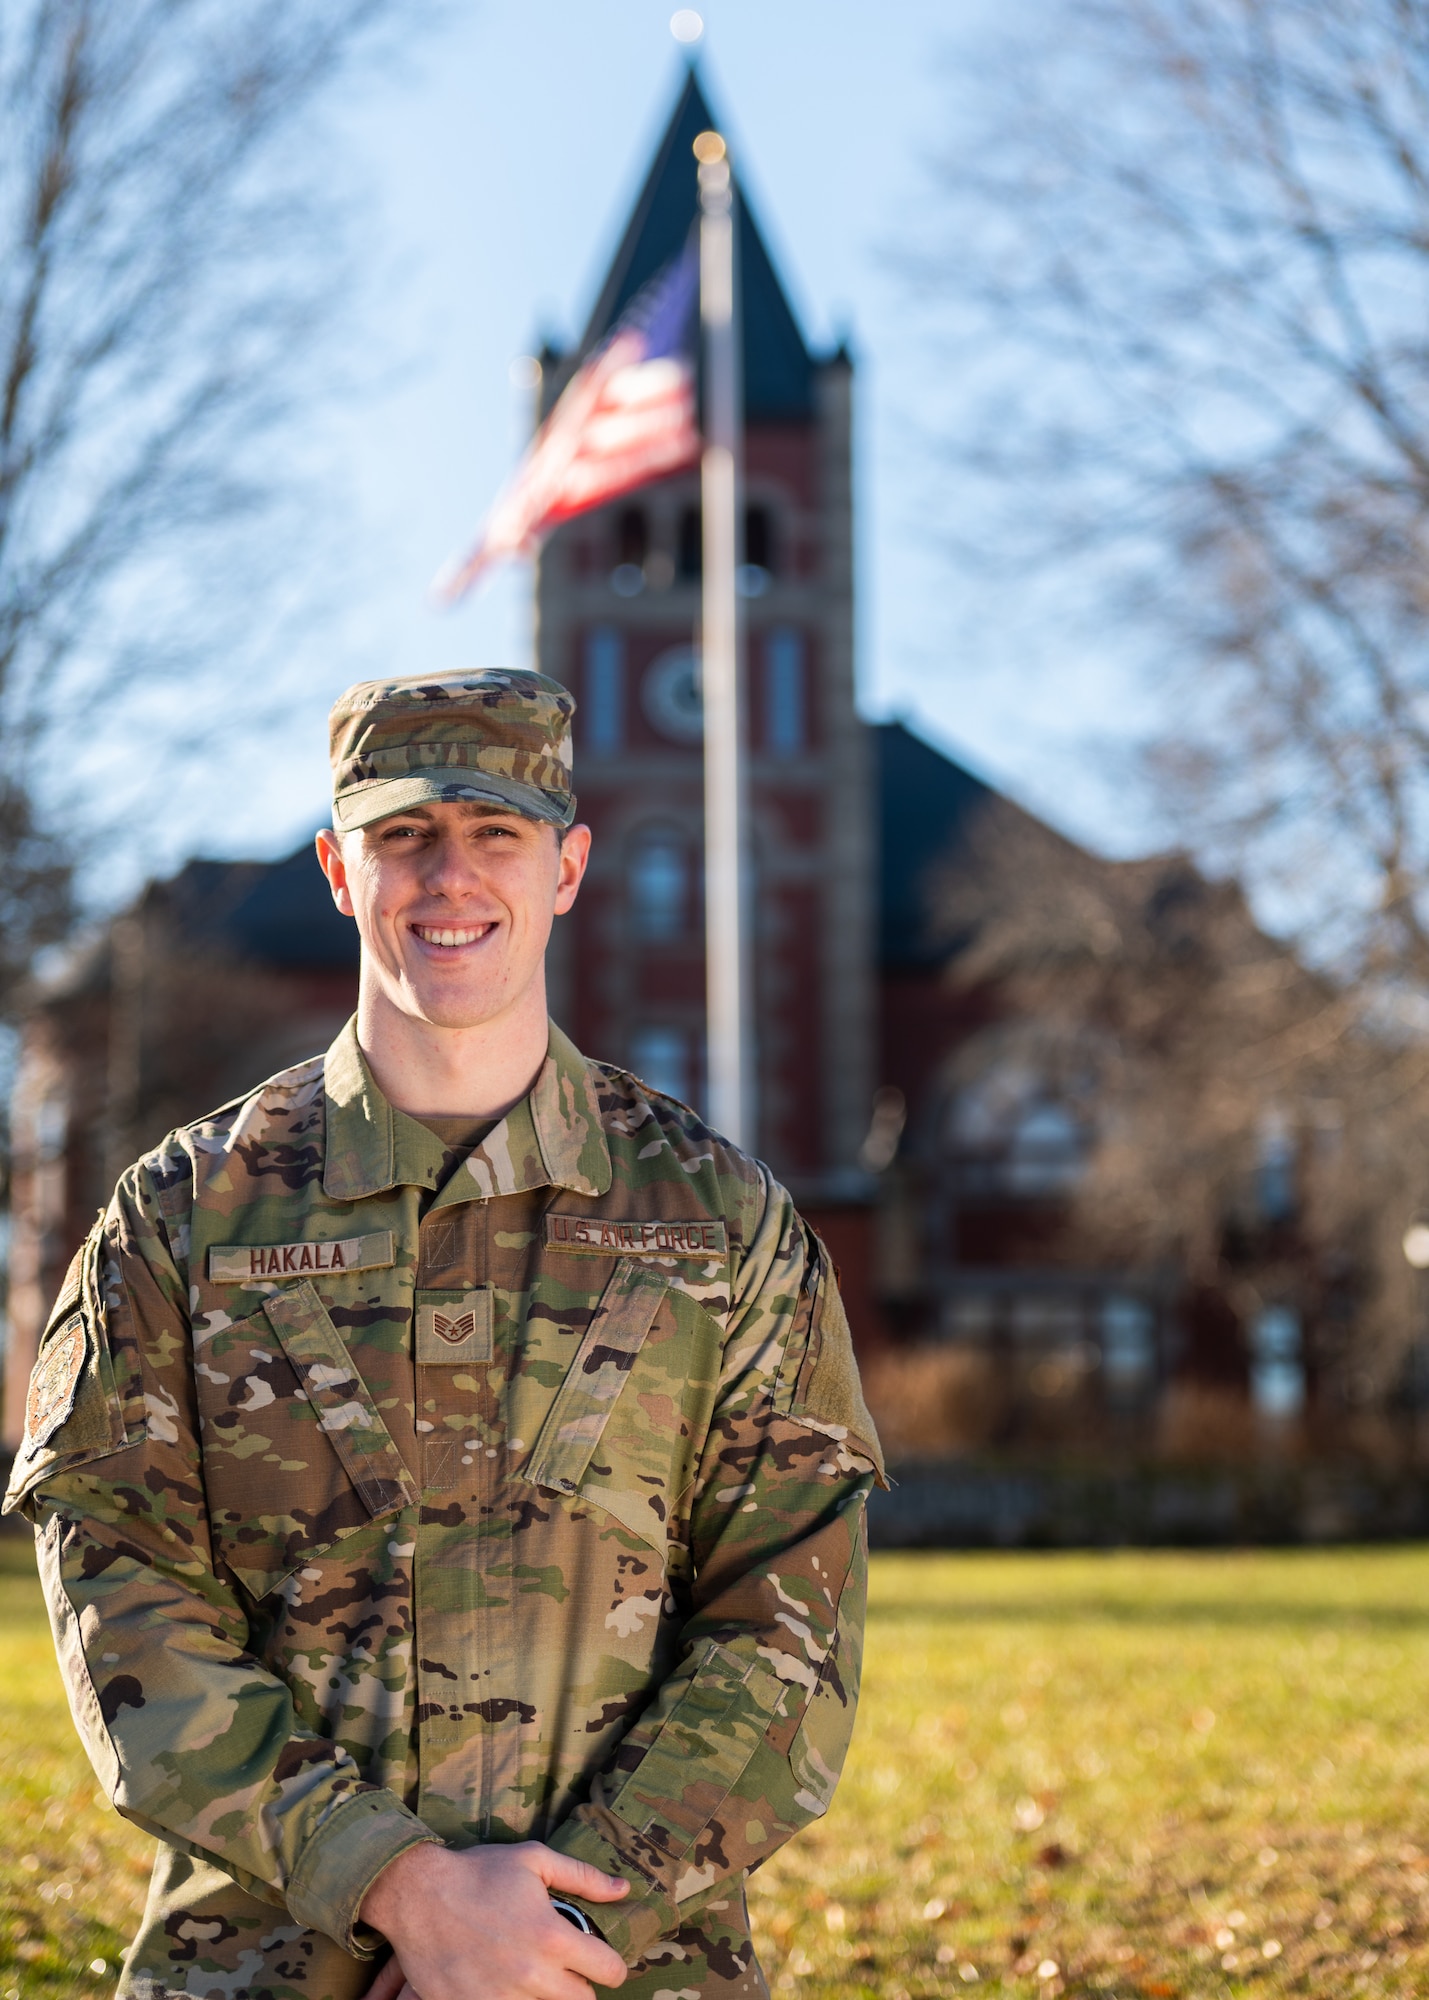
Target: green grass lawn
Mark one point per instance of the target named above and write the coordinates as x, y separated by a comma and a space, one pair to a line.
72, 1873
1113, 1774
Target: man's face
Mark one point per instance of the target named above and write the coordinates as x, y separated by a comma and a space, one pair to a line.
454, 904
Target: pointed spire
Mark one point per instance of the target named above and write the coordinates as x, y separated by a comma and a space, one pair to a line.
778, 368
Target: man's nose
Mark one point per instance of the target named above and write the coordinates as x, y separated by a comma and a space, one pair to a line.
451, 867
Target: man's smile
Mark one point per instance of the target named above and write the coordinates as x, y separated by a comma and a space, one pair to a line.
451, 937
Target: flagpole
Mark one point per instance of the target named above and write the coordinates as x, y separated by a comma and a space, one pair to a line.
730, 1092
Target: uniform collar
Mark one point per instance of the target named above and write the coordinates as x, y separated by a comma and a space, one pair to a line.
552, 1138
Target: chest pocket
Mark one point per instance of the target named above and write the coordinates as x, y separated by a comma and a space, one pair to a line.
296, 1454
613, 1432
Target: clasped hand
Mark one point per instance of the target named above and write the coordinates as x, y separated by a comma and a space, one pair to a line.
477, 1924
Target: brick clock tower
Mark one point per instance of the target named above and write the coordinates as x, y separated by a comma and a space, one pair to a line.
618, 607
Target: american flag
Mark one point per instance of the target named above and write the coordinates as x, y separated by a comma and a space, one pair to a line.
627, 416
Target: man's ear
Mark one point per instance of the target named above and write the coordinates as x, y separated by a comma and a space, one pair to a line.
335, 868
575, 853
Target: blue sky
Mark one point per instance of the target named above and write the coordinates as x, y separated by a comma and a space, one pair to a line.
494, 173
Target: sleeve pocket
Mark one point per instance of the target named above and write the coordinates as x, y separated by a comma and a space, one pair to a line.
628, 1309
699, 1752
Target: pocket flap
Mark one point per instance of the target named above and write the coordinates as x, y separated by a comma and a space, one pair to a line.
596, 1376
345, 1410
699, 1752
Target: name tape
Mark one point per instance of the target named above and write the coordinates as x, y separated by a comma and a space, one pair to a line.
239, 1264
636, 1239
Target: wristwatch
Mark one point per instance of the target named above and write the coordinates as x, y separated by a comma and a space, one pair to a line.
574, 1915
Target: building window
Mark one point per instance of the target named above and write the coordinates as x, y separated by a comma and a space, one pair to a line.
786, 722
969, 1316
604, 709
1275, 1169
1046, 1319
1277, 1363
51, 1127
1128, 1344
660, 885
1021, 1118
632, 545
632, 536
759, 539
660, 1056
691, 553
1047, 1151
756, 572
1048, 1335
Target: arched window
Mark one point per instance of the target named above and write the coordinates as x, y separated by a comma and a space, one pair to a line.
1021, 1117
632, 546
632, 536
759, 546
660, 884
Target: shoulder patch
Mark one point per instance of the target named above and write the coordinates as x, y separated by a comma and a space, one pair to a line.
54, 1383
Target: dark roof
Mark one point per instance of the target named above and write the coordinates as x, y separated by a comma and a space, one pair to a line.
277, 913
927, 805
778, 368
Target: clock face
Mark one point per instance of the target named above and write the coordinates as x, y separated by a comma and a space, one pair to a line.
670, 695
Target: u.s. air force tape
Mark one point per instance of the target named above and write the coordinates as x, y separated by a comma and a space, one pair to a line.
636, 1239
243, 1263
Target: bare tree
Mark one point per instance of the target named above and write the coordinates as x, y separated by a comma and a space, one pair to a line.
1181, 249
167, 257
1253, 1126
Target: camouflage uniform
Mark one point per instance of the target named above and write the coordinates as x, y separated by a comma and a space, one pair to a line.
528, 1507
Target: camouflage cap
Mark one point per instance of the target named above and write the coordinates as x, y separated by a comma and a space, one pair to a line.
500, 735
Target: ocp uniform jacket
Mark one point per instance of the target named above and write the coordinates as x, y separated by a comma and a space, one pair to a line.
378, 1502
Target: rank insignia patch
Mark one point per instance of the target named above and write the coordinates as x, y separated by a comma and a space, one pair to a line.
54, 1382
453, 1326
